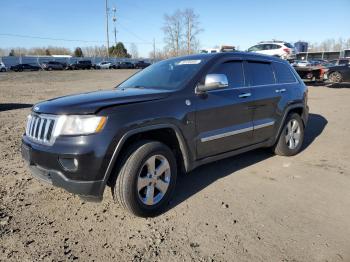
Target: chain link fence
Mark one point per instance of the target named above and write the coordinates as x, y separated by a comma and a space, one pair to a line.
38, 60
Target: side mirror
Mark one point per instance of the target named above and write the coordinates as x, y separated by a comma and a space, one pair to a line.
213, 82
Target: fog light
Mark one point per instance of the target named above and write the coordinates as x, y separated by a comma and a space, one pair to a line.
69, 164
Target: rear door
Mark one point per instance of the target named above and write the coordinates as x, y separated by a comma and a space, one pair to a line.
224, 116
266, 99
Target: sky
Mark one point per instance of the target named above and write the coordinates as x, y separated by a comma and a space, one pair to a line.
236, 22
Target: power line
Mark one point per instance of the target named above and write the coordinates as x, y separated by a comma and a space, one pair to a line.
65, 39
132, 33
50, 38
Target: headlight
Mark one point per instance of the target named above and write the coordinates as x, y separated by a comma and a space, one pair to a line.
79, 125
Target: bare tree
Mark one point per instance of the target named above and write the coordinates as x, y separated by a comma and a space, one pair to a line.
93, 51
330, 45
181, 30
173, 30
192, 28
134, 51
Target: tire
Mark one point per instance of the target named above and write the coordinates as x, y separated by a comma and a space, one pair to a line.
49, 69
291, 138
135, 180
3, 70
335, 77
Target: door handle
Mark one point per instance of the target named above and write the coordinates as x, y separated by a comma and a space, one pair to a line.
244, 95
280, 90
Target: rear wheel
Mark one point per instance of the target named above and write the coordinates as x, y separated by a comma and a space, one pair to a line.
335, 77
292, 136
146, 179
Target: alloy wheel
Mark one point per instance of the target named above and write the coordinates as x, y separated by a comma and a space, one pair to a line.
292, 134
153, 180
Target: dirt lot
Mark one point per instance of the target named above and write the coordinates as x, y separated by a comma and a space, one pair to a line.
253, 207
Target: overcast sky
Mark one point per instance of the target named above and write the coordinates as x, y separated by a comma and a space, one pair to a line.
239, 23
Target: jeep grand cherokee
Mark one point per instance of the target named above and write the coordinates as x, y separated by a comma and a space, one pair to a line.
173, 116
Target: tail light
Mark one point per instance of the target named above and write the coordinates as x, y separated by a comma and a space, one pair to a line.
286, 50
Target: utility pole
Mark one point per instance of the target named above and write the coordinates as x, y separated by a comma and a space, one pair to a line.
115, 28
107, 28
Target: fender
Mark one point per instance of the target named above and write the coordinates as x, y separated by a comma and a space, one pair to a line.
179, 136
289, 108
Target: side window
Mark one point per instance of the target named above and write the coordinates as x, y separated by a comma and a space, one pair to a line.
343, 62
283, 73
255, 48
234, 72
260, 73
267, 47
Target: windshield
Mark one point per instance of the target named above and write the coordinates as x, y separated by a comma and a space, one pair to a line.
168, 74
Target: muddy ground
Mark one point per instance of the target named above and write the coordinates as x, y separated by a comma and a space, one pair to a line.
252, 207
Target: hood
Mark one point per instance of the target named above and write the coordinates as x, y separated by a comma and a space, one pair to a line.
92, 102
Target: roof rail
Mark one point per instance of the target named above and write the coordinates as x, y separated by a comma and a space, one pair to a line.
272, 41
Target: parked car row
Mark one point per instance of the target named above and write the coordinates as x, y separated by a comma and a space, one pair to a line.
79, 65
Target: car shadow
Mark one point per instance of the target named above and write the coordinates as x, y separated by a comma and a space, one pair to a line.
314, 128
192, 183
339, 85
315, 83
13, 106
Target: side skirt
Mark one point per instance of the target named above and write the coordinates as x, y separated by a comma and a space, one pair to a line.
210, 159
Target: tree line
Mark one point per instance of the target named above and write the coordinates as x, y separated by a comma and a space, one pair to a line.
330, 45
118, 50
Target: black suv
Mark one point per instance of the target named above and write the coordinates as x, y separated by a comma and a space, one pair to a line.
173, 116
53, 65
83, 64
141, 65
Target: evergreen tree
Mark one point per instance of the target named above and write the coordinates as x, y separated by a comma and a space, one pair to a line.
78, 52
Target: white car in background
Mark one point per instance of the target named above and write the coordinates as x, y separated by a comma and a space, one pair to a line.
280, 49
301, 63
3, 68
104, 65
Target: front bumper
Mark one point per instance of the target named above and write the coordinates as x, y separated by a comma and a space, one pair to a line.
45, 163
89, 190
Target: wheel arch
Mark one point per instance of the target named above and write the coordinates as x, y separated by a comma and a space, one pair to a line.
298, 108
166, 133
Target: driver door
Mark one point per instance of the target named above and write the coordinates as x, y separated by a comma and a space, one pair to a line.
224, 117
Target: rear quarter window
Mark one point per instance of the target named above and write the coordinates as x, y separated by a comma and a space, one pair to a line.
283, 73
260, 73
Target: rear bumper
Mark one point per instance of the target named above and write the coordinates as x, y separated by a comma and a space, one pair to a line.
305, 115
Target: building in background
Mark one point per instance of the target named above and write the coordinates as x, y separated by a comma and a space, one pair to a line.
301, 46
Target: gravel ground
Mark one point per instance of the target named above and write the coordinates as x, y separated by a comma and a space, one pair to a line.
252, 207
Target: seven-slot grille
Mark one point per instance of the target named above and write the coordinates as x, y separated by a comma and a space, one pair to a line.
40, 128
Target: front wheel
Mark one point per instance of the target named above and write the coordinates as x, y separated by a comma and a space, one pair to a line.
291, 138
146, 179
